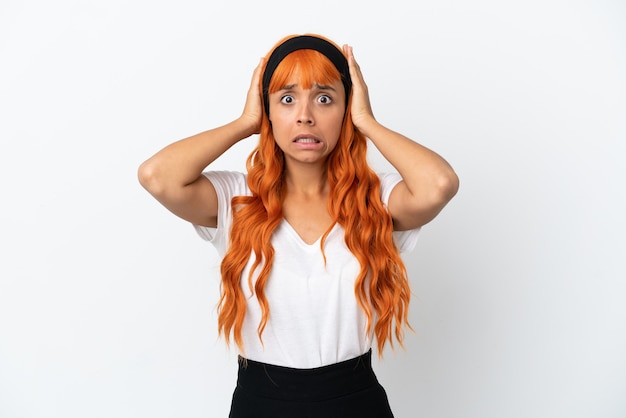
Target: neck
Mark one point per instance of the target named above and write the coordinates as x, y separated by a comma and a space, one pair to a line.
306, 179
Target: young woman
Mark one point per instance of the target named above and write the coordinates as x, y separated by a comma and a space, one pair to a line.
310, 236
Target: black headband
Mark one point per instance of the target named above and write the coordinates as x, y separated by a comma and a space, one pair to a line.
305, 42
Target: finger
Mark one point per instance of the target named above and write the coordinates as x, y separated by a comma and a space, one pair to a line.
346, 50
355, 71
351, 60
257, 70
256, 77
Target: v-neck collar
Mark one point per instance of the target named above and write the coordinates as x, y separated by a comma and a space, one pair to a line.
296, 237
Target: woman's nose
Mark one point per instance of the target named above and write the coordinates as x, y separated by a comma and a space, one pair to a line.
304, 115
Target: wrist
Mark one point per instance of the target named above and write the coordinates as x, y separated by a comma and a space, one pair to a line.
246, 126
367, 125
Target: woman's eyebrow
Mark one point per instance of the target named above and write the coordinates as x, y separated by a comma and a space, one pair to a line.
324, 87
316, 86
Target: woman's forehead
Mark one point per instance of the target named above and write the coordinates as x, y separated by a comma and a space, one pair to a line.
308, 80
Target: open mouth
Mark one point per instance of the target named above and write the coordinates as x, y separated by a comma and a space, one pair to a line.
307, 140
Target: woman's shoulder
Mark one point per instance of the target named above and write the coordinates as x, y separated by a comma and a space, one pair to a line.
226, 175
229, 182
388, 180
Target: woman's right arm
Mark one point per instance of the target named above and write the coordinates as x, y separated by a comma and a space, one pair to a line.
174, 174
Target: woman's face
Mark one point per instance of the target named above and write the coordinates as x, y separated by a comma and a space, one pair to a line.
307, 122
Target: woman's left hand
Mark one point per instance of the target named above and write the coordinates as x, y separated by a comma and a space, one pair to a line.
361, 108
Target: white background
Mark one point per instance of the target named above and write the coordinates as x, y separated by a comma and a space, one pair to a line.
107, 301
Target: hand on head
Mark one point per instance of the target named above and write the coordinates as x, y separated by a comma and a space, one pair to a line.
253, 109
361, 107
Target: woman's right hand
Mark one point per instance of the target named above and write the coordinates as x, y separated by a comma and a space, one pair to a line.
174, 174
253, 109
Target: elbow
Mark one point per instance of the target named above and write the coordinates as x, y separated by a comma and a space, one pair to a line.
425, 207
448, 185
148, 176
445, 187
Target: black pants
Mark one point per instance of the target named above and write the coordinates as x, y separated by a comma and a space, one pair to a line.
343, 390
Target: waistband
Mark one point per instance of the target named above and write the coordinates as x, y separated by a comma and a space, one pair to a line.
320, 383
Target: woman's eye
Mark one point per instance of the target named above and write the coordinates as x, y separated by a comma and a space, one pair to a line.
286, 99
324, 99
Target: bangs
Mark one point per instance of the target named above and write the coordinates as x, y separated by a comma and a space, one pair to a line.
311, 67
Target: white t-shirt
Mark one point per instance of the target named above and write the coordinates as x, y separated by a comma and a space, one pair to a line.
315, 319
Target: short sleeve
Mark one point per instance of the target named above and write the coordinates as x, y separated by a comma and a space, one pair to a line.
227, 184
404, 240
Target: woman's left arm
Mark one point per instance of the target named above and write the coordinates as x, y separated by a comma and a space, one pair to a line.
428, 181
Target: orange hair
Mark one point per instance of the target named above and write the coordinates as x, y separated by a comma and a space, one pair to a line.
382, 287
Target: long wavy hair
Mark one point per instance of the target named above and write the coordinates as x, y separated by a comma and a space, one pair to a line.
382, 287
